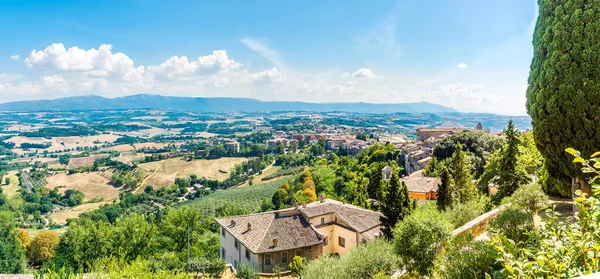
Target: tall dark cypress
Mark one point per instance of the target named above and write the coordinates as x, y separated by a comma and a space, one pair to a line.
395, 205
563, 97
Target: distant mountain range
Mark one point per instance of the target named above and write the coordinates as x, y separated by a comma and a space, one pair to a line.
202, 104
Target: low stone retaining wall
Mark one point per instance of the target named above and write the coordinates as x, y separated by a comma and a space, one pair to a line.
478, 225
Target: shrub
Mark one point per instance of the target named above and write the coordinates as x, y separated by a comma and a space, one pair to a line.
531, 198
461, 213
470, 260
246, 271
419, 238
165, 261
513, 223
211, 267
297, 265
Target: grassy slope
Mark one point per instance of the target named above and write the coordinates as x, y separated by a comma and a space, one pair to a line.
11, 190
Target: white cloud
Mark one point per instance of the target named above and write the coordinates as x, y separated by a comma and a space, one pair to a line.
461, 65
177, 66
99, 62
15, 57
262, 49
382, 36
361, 73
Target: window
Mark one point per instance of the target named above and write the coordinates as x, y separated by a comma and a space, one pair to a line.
236, 244
223, 232
247, 254
267, 259
223, 253
284, 257
341, 241
322, 220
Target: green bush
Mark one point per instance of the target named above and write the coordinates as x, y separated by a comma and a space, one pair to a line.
513, 223
297, 265
461, 213
470, 260
211, 267
419, 238
246, 271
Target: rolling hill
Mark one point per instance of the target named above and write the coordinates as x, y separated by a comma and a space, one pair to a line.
206, 104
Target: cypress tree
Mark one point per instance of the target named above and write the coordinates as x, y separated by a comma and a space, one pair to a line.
444, 196
12, 256
512, 174
464, 188
563, 96
395, 205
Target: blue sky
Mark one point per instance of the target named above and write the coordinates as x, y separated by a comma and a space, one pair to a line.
472, 55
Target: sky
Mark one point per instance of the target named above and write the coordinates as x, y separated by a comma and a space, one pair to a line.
471, 55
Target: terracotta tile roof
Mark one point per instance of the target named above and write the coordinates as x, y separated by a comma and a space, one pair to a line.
421, 184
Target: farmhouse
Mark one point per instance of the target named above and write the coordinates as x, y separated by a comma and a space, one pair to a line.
269, 239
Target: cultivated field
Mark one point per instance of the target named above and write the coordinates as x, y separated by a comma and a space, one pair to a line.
11, 189
120, 148
248, 198
85, 161
91, 184
163, 173
61, 217
130, 157
62, 143
149, 145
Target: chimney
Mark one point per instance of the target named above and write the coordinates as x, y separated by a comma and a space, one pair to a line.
303, 204
249, 226
275, 242
296, 205
232, 223
322, 198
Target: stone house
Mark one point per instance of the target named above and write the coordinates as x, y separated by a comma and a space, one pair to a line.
270, 239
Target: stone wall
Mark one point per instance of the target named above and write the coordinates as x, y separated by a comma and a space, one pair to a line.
478, 225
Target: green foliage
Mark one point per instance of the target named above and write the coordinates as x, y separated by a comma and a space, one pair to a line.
561, 248
395, 205
464, 189
365, 261
466, 260
514, 224
563, 94
246, 271
211, 267
112, 267
420, 237
530, 198
459, 214
12, 256
477, 145
444, 191
297, 265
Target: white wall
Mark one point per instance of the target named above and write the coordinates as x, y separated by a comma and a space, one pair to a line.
348, 235
235, 254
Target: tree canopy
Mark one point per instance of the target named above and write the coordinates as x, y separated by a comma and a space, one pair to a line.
563, 96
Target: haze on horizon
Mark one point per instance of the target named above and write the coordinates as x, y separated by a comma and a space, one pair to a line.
470, 55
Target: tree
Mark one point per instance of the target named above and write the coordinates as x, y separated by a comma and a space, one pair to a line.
309, 194
7, 181
511, 173
464, 189
419, 238
478, 145
563, 95
43, 246
293, 147
531, 198
444, 191
12, 257
23, 238
395, 205
280, 148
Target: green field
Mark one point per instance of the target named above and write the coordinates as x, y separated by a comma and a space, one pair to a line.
249, 197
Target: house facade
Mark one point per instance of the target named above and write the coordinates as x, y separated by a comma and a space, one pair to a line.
422, 187
270, 239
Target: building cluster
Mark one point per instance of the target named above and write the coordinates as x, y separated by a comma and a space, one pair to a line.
232, 146
347, 142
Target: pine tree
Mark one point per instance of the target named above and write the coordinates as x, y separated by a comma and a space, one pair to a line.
395, 205
361, 195
444, 191
563, 95
464, 188
512, 174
